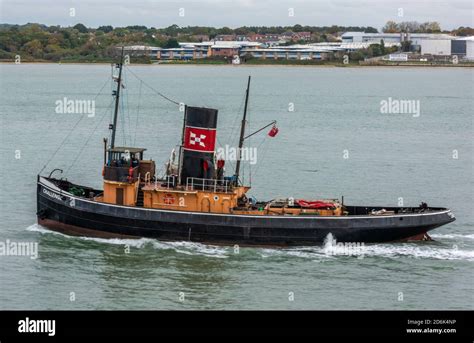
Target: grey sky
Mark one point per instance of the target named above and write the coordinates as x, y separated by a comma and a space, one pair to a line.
234, 13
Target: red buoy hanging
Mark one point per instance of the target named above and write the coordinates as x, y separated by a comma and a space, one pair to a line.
273, 131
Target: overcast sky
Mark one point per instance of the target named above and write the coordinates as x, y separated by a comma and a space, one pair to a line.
233, 13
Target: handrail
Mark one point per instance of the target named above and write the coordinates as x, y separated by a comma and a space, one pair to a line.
215, 185
172, 178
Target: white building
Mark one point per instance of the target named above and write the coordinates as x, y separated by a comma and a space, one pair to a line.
470, 49
416, 39
376, 38
306, 51
436, 47
139, 50
464, 47
240, 44
373, 38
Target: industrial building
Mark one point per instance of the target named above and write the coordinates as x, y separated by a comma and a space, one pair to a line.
141, 50
376, 38
182, 53
461, 47
313, 51
436, 47
469, 42
286, 53
415, 39
436, 44
423, 43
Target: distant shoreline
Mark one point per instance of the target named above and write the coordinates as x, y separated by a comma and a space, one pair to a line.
261, 64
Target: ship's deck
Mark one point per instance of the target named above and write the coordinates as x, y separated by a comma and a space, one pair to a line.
94, 194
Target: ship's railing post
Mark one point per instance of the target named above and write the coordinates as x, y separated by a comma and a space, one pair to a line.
137, 188
170, 180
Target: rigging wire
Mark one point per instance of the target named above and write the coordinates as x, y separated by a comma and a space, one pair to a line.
90, 135
153, 89
232, 132
127, 109
234, 124
265, 148
226, 161
138, 113
122, 120
71, 131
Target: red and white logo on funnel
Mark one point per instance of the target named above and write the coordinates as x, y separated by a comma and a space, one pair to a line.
195, 139
199, 139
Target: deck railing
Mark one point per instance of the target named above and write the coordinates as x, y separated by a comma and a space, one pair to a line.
170, 181
212, 185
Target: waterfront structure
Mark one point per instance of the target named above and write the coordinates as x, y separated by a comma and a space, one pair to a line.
193, 50
436, 44
313, 51
462, 47
141, 50
436, 47
376, 38
182, 53
425, 44
466, 47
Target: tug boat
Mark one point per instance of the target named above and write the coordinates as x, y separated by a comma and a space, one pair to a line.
195, 201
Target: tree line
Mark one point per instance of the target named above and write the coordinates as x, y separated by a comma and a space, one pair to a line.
78, 42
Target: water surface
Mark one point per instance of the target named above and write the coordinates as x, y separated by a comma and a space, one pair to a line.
336, 111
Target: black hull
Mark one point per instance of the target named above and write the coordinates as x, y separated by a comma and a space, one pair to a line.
66, 213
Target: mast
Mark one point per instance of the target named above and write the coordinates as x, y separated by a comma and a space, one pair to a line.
242, 134
180, 157
117, 97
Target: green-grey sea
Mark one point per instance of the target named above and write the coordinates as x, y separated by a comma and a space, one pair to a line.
333, 141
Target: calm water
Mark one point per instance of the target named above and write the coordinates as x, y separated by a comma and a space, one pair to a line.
335, 109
